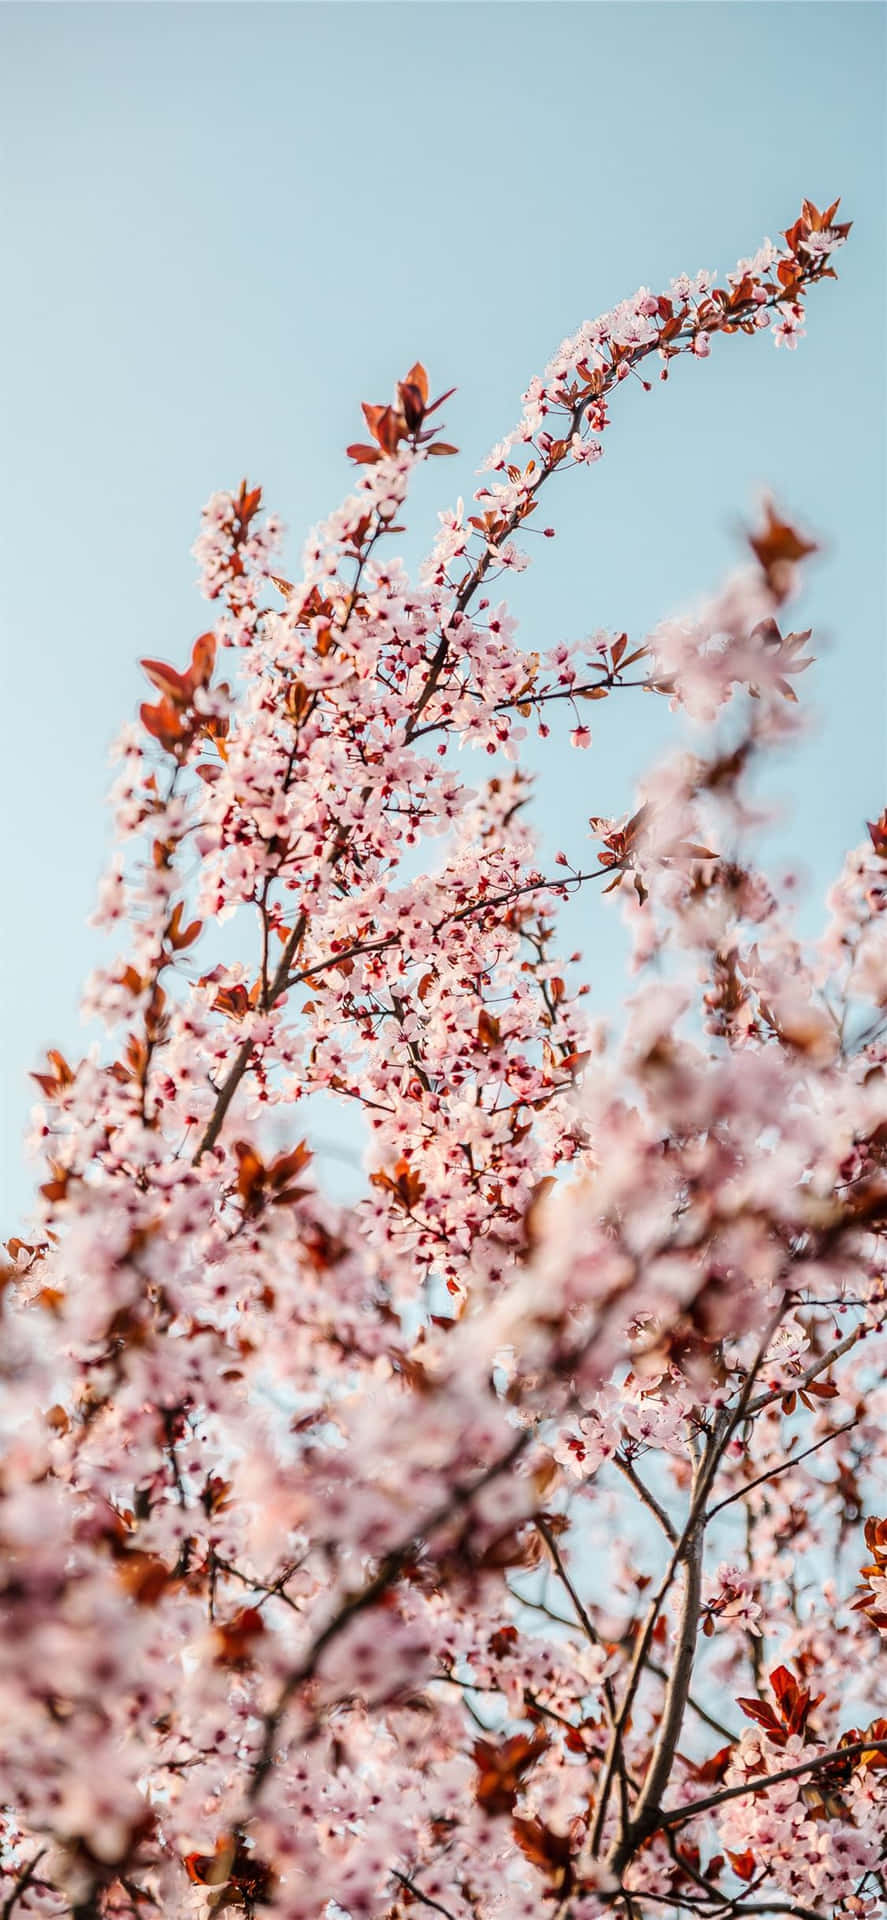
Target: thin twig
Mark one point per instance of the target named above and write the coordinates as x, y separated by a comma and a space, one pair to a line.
418, 1894
793, 1460
821, 1365
627, 1467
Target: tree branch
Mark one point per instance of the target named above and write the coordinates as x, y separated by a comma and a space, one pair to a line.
677, 1816
22, 1884
793, 1460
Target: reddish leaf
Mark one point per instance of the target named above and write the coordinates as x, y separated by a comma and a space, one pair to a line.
744, 1865
488, 1034
500, 1769
417, 377
203, 658
778, 547
547, 1850
234, 1638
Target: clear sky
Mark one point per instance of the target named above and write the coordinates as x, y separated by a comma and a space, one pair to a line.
224, 226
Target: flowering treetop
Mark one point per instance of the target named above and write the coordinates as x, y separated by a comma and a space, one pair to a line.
493, 1544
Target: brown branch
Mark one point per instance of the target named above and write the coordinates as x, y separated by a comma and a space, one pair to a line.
723, 1430
245, 1053
610, 684
627, 1467
22, 1884
275, 1591
593, 1636
804, 1379
793, 1460
584, 1618
724, 1908
653, 1666
676, 1816
418, 1894
637, 1666
643, 1819
387, 941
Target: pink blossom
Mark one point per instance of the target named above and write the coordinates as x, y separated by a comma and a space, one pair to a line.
430, 1534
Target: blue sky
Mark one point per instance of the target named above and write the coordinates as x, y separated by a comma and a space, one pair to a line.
227, 225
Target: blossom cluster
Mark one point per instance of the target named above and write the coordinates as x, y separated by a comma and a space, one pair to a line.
427, 1549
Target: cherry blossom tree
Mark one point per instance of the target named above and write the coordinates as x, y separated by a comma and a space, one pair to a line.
507, 1541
